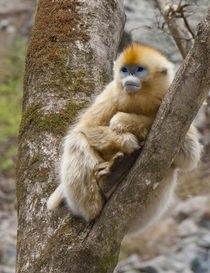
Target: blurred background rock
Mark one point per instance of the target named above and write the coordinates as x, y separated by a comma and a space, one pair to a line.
180, 241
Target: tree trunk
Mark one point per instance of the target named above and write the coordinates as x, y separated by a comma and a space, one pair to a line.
74, 43
58, 242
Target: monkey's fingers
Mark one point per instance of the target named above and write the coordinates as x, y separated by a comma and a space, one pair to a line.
100, 171
100, 167
116, 161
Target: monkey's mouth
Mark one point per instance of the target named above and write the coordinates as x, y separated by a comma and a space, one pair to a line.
131, 84
131, 88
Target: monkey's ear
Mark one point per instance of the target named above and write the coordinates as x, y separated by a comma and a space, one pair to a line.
164, 71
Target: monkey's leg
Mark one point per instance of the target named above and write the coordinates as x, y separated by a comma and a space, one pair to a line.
80, 187
138, 125
190, 151
78, 183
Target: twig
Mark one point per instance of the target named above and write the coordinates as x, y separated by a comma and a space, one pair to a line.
179, 29
186, 23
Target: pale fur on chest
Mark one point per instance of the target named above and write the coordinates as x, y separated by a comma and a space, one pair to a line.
139, 104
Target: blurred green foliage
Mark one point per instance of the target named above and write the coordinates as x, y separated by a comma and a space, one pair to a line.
11, 85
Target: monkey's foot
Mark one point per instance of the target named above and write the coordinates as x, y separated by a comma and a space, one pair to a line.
105, 168
104, 172
101, 169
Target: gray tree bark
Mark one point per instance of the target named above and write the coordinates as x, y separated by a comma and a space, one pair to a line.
64, 65
73, 45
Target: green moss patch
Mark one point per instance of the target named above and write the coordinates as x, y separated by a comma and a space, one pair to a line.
56, 123
69, 82
56, 22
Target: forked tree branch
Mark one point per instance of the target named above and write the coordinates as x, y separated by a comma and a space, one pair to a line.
178, 109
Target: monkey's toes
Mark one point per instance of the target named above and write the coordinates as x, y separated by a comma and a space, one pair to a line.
101, 169
118, 156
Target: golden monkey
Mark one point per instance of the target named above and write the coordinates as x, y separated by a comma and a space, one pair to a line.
118, 119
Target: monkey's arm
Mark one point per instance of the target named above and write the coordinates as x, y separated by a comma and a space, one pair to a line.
138, 125
94, 124
190, 151
108, 142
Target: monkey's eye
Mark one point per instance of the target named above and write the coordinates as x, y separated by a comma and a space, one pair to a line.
140, 70
124, 71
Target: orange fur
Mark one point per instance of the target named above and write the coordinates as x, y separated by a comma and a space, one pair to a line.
135, 53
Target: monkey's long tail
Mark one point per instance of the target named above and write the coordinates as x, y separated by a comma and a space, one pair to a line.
55, 198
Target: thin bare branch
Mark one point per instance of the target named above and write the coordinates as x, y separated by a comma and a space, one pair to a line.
179, 29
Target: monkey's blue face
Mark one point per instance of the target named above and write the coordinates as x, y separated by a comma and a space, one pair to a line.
131, 77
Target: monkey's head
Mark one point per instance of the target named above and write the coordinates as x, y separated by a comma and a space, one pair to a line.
141, 68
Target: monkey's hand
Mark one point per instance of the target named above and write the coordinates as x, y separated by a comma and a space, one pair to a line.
105, 140
190, 151
138, 125
127, 143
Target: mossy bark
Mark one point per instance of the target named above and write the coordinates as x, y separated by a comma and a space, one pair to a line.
69, 58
